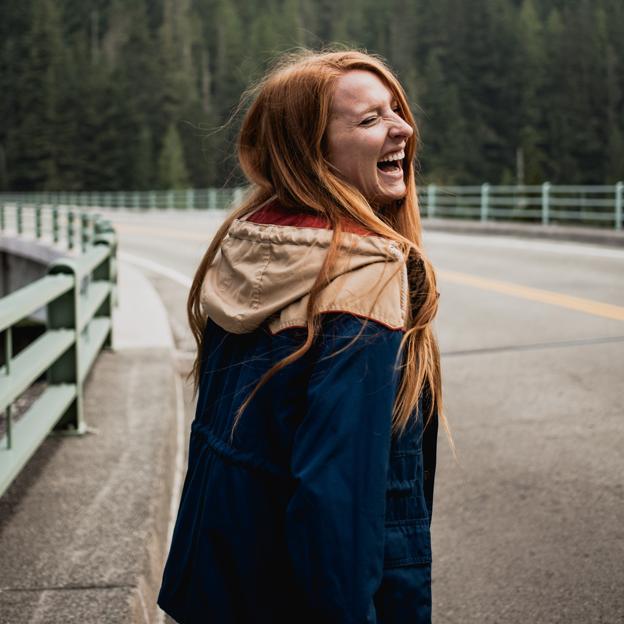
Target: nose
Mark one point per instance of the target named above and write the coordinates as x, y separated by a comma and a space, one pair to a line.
400, 128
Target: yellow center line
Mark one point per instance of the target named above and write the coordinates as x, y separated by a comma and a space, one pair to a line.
596, 308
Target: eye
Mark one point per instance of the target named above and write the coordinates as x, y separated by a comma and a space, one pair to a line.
368, 121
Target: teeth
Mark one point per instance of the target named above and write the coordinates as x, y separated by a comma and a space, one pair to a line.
395, 156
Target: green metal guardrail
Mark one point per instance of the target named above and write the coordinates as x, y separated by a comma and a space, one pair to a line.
200, 199
544, 203
78, 295
48, 223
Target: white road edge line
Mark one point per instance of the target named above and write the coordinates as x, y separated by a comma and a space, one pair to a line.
161, 269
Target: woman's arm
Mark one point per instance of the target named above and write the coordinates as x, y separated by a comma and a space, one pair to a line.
335, 518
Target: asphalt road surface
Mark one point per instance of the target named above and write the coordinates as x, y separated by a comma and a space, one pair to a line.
529, 518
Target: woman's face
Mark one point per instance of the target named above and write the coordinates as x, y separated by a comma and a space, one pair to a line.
366, 137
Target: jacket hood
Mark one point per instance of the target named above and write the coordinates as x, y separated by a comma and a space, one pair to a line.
264, 272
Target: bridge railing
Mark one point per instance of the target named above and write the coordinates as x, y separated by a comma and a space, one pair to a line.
187, 199
65, 226
77, 294
546, 203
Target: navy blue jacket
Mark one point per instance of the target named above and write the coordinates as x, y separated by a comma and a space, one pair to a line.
314, 511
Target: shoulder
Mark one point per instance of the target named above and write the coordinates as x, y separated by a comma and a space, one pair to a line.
368, 281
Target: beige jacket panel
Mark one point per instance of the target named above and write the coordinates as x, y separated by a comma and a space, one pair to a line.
266, 272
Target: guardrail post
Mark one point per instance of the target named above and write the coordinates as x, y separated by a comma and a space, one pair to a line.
38, 220
545, 203
170, 200
619, 200
55, 223
190, 199
105, 235
84, 230
431, 200
8, 354
212, 199
19, 216
63, 313
485, 200
104, 232
2, 216
70, 229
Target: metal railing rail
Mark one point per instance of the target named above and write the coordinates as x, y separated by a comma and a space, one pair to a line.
51, 224
598, 205
545, 203
77, 293
199, 199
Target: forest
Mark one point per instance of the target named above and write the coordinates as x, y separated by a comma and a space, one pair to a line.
142, 94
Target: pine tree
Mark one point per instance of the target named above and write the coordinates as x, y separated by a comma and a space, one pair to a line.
530, 80
172, 173
503, 90
33, 144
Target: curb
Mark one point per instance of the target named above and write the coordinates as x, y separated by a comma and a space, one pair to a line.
596, 236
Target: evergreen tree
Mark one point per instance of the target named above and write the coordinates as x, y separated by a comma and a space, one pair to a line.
529, 72
444, 131
172, 172
141, 93
33, 138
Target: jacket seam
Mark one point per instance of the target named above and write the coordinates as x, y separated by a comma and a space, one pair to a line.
255, 300
302, 323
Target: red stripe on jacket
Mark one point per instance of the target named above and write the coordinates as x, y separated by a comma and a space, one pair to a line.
275, 214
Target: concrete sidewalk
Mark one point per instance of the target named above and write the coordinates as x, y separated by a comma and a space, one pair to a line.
84, 527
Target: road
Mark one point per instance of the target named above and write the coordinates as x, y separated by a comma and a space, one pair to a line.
529, 518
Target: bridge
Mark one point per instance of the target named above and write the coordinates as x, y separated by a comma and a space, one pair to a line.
527, 519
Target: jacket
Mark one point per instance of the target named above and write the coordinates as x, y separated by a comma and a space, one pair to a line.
312, 512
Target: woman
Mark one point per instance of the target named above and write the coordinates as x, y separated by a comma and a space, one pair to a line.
310, 480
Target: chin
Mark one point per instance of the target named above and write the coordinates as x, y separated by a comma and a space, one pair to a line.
382, 196
387, 198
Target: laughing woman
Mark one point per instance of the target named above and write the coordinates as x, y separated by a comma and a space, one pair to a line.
309, 489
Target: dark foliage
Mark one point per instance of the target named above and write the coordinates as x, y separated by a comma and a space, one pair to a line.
138, 94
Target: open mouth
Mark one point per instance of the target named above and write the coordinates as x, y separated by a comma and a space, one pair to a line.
390, 166
392, 163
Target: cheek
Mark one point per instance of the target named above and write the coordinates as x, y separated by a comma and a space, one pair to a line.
356, 159
364, 155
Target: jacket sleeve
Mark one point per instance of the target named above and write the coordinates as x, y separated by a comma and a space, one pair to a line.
335, 517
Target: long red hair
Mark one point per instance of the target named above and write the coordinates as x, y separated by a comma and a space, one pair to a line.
282, 152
